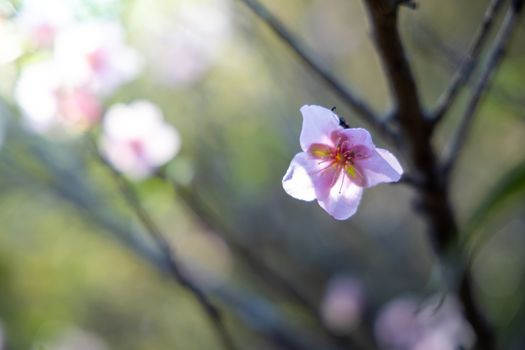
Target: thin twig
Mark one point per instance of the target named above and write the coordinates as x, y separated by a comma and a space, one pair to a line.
175, 271
437, 51
358, 105
469, 63
496, 56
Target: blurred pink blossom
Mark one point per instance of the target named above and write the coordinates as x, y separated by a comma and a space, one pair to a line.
342, 304
41, 21
136, 139
408, 324
186, 39
94, 54
336, 164
49, 106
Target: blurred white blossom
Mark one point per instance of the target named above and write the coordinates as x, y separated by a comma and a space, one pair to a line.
10, 41
94, 54
136, 139
408, 324
185, 40
342, 304
49, 106
41, 21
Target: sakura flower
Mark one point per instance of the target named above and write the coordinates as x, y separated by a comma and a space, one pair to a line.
95, 54
136, 139
183, 39
342, 304
10, 42
336, 164
407, 323
49, 106
41, 21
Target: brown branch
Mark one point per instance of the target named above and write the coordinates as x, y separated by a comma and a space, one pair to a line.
469, 63
355, 103
498, 51
416, 132
167, 253
408, 112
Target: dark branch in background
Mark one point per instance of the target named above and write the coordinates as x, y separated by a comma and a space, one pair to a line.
175, 271
408, 3
358, 105
263, 271
206, 217
496, 55
469, 63
417, 132
69, 184
437, 51
415, 129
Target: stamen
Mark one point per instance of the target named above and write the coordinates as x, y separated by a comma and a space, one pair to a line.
336, 175
323, 169
342, 182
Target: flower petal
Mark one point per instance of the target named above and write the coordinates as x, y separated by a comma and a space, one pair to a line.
357, 137
297, 181
320, 151
342, 200
318, 125
381, 167
355, 174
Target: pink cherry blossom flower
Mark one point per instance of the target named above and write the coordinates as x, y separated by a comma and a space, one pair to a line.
407, 323
41, 21
183, 40
336, 164
95, 54
342, 304
136, 140
50, 106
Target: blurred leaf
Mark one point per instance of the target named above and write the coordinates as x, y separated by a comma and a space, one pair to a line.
510, 187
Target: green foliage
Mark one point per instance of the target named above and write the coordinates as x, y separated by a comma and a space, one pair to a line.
508, 189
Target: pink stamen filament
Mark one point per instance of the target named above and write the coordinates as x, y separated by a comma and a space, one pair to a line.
341, 187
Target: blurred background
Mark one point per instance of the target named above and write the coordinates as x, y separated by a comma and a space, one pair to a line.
196, 103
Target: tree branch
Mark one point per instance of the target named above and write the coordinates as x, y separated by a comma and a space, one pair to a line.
355, 103
416, 132
436, 51
174, 270
256, 312
496, 56
469, 63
